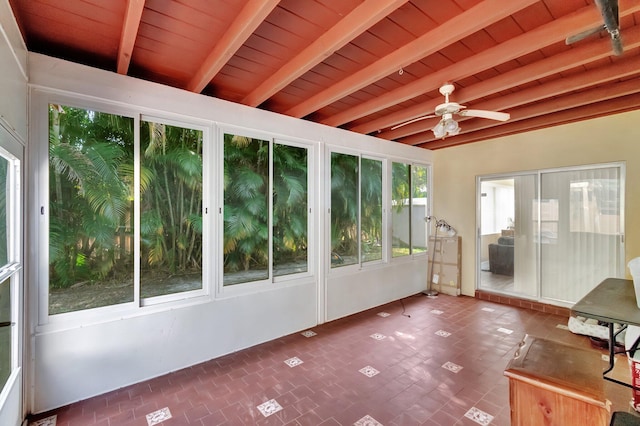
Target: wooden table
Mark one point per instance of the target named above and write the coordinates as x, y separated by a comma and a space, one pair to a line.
551, 383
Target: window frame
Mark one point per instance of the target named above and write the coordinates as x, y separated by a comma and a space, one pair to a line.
39, 160
428, 207
11, 150
272, 281
386, 233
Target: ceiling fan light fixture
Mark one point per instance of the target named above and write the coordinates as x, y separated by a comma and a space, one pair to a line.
451, 126
439, 130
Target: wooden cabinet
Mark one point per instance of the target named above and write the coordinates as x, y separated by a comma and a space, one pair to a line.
554, 384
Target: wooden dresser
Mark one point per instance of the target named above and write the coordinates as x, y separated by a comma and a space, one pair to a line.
554, 384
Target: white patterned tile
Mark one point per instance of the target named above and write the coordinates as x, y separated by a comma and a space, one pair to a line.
443, 333
562, 326
479, 416
292, 362
605, 358
367, 421
309, 333
436, 312
47, 421
369, 371
505, 330
378, 336
488, 309
270, 407
452, 367
158, 416
383, 314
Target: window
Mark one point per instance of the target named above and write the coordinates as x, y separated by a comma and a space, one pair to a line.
95, 252
264, 236
90, 209
356, 210
371, 210
409, 207
170, 209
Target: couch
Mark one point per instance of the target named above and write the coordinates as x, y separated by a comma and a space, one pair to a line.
501, 256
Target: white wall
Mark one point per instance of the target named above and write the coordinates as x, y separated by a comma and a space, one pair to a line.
13, 118
74, 362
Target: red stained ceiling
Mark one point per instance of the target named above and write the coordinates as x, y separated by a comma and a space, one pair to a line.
363, 65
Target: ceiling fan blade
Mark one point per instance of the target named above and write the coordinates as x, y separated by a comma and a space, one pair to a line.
424, 117
491, 115
584, 34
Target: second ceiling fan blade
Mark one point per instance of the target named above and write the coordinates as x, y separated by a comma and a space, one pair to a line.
584, 34
492, 115
424, 117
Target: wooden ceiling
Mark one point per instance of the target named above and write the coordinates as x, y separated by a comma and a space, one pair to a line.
362, 65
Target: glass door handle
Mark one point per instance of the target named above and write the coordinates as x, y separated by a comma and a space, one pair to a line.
6, 324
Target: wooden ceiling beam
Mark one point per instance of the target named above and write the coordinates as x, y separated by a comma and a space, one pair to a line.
545, 35
587, 112
462, 25
620, 69
553, 105
580, 55
132, 18
249, 18
348, 28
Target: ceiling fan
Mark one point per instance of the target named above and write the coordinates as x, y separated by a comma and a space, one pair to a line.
447, 126
609, 11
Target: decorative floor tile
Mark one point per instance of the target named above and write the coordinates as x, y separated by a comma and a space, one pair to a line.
562, 326
488, 309
48, 421
369, 371
158, 416
309, 333
479, 416
292, 362
443, 333
505, 330
605, 358
383, 314
378, 336
367, 421
452, 367
270, 407
436, 312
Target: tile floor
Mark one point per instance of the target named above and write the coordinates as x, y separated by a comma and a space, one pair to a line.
419, 361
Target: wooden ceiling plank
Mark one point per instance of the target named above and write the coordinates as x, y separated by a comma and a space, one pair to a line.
554, 105
249, 18
130, 26
582, 55
613, 106
458, 27
550, 33
359, 20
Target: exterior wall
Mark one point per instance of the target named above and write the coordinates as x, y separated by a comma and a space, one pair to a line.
606, 139
75, 361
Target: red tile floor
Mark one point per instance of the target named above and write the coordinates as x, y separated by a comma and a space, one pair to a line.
418, 361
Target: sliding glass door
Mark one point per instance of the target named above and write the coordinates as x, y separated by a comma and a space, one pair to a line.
580, 231
507, 248
551, 235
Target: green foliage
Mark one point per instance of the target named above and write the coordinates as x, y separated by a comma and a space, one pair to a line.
89, 193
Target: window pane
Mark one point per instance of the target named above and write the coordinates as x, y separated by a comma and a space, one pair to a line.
290, 210
371, 209
4, 235
246, 209
5, 331
400, 212
344, 209
90, 209
418, 209
170, 209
